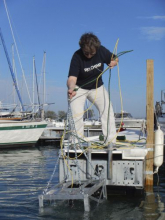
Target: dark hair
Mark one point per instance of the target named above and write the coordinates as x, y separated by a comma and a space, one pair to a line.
89, 40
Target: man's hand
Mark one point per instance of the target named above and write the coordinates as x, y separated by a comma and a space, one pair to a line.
113, 63
71, 83
71, 93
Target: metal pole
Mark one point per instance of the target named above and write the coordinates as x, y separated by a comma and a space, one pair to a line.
109, 163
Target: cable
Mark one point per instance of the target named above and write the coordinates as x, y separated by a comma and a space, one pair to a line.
17, 51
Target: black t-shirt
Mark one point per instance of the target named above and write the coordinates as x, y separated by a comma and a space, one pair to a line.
87, 70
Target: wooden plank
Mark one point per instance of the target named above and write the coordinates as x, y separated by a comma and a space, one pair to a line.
150, 121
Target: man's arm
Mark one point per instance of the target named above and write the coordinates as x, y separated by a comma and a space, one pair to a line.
71, 86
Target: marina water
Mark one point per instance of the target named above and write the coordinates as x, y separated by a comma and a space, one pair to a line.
25, 172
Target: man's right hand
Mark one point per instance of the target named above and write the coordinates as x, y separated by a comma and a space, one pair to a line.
71, 93
71, 83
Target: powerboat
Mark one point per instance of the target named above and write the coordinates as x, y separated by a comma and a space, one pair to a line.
126, 120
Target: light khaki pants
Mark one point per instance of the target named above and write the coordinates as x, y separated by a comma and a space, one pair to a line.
100, 98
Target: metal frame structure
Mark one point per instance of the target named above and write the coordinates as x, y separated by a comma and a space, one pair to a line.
85, 192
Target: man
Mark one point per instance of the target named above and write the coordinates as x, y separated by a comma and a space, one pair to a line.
86, 65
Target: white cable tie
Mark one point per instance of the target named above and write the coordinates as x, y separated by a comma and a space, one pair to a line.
150, 149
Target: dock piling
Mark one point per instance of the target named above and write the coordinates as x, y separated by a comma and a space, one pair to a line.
150, 121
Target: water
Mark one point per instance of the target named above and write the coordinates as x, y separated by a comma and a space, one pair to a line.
24, 174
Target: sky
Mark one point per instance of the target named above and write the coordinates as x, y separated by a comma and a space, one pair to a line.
55, 27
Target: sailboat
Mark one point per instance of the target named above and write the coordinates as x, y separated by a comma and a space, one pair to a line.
15, 132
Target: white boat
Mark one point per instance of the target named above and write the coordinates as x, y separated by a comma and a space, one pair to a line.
16, 133
127, 121
61, 123
6, 109
55, 123
91, 122
16, 130
160, 111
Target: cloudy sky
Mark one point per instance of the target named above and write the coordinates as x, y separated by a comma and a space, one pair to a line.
55, 26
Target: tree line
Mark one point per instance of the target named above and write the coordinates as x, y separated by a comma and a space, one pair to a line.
63, 115
54, 115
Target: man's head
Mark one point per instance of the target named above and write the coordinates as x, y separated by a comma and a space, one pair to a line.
89, 44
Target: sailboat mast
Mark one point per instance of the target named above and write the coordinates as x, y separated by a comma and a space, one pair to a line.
11, 71
44, 63
33, 82
37, 84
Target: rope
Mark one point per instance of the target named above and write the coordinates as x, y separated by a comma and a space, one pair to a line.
72, 137
73, 140
17, 51
108, 105
50, 180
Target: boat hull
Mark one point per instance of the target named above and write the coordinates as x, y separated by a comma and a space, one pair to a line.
130, 123
14, 134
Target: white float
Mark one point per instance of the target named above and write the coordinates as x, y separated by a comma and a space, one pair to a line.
159, 148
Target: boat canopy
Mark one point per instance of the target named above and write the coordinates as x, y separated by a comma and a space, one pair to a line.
124, 115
